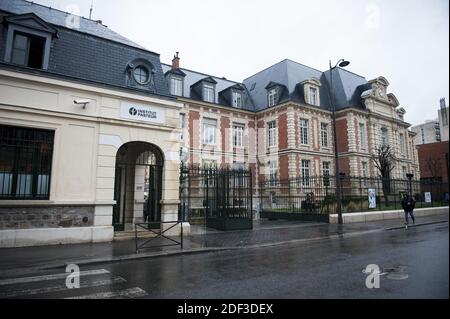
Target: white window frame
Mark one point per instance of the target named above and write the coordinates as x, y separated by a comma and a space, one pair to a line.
402, 144
305, 169
326, 169
176, 86
208, 93
362, 136
209, 131
313, 95
272, 134
238, 135
364, 173
273, 173
384, 136
13, 29
304, 131
273, 97
324, 134
237, 99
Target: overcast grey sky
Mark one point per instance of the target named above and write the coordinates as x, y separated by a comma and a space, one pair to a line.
406, 41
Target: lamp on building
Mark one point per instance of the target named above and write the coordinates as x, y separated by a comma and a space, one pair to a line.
341, 63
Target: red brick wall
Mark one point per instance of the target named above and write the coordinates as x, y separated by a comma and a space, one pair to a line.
283, 165
434, 151
342, 137
344, 166
282, 132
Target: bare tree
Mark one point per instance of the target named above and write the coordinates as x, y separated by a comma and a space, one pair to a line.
384, 161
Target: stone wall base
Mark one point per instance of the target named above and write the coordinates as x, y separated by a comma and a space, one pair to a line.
55, 236
386, 215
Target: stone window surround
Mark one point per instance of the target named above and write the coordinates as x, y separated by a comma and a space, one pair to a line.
12, 28
307, 85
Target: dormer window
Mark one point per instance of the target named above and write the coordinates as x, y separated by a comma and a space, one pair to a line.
273, 97
28, 41
208, 93
237, 99
28, 50
141, 75
176, 86
313, 98
311, 91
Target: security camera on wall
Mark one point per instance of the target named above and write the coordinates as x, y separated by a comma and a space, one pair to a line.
81, 102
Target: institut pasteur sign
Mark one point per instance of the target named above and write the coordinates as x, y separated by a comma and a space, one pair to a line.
141, 112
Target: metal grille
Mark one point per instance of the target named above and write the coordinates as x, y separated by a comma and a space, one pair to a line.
25, 162
214, 193
317, 194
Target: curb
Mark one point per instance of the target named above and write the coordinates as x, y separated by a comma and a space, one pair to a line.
417, 225
190, 251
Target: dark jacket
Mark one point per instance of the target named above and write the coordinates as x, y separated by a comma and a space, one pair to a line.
408, 204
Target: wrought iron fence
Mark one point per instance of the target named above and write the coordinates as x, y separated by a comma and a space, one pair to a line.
212, 195
317, 194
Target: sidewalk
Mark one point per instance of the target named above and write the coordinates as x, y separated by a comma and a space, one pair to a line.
265, 233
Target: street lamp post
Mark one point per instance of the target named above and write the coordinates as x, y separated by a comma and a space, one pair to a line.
341, 63
410, 176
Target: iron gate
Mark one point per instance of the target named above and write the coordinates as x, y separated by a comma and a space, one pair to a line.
217, 198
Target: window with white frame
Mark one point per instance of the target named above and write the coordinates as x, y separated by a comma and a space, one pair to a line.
305, 173
324, 134
313, 96
182, 124
273, 172
402, 144
208, 93
237, 99
209, 131
362, 136
326, 173
238, 135
326, 168
272, 133
176, 86
384, 136
304, 131
403, 172
273, 97
364, 173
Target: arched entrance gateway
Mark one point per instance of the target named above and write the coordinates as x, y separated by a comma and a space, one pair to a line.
138, 185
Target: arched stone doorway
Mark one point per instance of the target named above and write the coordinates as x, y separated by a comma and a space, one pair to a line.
138, 185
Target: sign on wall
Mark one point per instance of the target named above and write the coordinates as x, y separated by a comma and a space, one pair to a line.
143, 113
372, 198
427, 197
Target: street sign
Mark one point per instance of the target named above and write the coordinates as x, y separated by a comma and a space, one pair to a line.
427, 197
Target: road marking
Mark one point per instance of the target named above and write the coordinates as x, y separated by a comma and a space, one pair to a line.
45, 290
50, 277
120, 294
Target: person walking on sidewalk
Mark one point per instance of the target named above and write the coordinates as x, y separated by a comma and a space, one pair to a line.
408, 205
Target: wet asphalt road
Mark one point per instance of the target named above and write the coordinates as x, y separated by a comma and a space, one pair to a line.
317, 269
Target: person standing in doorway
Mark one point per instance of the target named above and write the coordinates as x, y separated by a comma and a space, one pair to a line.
408, 205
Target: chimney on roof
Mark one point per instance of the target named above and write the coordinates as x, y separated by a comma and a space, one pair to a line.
443, 104
176, 62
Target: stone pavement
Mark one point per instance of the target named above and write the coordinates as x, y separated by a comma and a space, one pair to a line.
28, 259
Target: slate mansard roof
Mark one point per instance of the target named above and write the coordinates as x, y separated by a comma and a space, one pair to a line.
91, 52
289, 76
